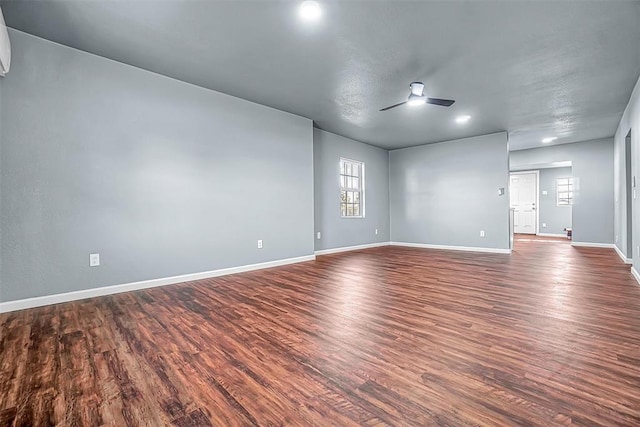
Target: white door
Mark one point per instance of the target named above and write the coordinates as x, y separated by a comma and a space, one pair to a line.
523, 190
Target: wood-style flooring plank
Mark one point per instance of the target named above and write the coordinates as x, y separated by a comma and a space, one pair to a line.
549, 335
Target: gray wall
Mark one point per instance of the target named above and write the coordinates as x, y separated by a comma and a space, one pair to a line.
592, 169
445, 193
1, 217
337, 231
160, 177
557, 218
630, 121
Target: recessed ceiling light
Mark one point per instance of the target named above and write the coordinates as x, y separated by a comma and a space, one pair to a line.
310, 10
549, 139
462, 119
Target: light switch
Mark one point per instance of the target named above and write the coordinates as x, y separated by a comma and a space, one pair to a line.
545, 192
94, 260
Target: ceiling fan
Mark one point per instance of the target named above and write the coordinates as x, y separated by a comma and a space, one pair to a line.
417, 97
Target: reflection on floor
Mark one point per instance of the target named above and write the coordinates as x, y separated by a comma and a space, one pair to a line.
401, 336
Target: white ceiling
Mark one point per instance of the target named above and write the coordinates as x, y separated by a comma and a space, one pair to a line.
535, 69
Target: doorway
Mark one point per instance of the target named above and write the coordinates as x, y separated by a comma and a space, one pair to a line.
523, 194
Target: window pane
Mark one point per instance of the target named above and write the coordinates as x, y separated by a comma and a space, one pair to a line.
563, 195
351, 185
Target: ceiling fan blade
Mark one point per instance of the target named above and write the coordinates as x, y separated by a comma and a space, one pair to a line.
394, 106
441, 102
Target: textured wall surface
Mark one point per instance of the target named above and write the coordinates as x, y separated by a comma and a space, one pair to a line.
446, 193
160, 177
337, 231
557, 218
630, 122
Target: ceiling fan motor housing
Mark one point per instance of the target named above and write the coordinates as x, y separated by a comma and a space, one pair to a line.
417, 88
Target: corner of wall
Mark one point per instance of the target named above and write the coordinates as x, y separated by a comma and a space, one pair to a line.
337, 232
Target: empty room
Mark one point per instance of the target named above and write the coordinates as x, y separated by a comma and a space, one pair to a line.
319, 213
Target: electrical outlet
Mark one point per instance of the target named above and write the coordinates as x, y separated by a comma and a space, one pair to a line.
544, 225
94, 260
545, 192
318, 235
638, 250
481, 233
259, 244
376, 231
616, 238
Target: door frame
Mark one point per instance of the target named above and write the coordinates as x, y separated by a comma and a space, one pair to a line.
629, 178
537, 173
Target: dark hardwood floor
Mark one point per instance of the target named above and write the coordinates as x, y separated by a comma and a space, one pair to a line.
549, 335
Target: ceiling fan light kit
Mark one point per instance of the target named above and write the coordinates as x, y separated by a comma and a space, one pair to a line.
417, 97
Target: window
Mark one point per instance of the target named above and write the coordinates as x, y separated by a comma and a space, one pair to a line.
564, 191
351, 188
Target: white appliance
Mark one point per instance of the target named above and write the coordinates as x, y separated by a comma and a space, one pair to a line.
5, 47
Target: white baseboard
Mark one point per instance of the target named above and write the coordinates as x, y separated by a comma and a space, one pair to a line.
134, 286
552, 235
351, 248
594, 245
635, 274
622, 256
453, 248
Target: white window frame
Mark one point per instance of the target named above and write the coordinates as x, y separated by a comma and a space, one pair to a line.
567, 188
360, 190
